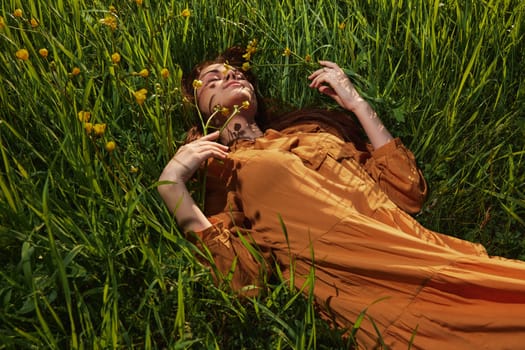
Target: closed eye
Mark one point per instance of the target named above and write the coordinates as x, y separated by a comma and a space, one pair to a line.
210, 80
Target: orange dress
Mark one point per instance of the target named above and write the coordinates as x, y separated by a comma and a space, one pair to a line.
307, 198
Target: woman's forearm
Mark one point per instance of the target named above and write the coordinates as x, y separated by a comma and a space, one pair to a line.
179, 202
374, 128
179, 169
332, 81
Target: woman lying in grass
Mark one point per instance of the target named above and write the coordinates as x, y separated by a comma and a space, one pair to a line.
311, 196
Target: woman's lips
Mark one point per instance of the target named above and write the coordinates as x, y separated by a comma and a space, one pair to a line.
233, 83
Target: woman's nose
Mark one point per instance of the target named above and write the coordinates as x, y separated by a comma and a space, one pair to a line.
231, 74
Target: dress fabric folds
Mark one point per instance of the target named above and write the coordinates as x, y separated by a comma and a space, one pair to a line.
345, 211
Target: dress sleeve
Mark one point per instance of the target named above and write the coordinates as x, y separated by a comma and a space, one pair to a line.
394, 168
232, 259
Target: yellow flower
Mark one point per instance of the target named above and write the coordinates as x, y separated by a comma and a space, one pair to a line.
225, 111
133, 169
115, 58
308, 58
99, 129
165, 73
34, 23
140, 96
139, 2
84, 116
2, 22
197, 84
18, 13
342, 25
185, 13
246, 66
88, 127
110, 21
43, 52
144, 73
110, 146
112, 9
75, 71
227, 68
287, 52
22, 54
245, 104
250, 49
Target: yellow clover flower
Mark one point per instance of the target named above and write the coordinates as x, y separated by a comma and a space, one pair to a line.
140, 96
185, 13
287, 52
99, 129
75, 71
245, 105
225, 111
246, 66
308, 58
342, 26
250, 49
144, 73
43, 52
197, 84
227, 68
18, 13
138, 2
165, 73
34, 23
22, 54
110, 146
115, 57
88, 127
84, 116
110, 21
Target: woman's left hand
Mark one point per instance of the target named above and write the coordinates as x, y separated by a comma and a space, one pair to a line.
332, 81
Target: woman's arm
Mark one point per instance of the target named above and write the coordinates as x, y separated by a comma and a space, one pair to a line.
332, 81
392, 165
181, 168
228, 253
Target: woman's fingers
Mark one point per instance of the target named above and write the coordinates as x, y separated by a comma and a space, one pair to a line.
190, 157
327, 67
328, 64
212, 136
207, 150
200, 151
332, 81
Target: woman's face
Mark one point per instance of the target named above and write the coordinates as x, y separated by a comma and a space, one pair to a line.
224, 86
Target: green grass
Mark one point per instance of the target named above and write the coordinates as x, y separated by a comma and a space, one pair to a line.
91, 258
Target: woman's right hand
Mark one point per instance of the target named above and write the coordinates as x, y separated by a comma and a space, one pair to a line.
189, 158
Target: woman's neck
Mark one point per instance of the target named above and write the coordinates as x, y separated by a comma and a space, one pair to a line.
240, 128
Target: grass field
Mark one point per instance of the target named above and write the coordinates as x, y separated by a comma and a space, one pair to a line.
91, 110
